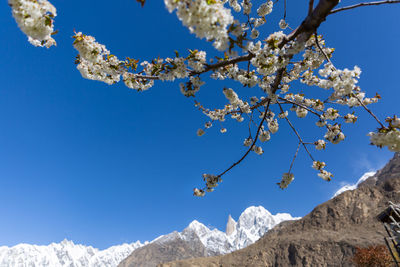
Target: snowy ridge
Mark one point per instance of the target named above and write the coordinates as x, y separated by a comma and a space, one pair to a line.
252, 224
354, 186
65, 253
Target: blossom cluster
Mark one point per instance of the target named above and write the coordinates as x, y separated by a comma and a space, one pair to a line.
35, 19
319, 166
207, 19
287, 178
388, 136
211, 182
95, 62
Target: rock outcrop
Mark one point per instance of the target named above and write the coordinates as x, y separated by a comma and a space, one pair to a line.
327, 236
230, 226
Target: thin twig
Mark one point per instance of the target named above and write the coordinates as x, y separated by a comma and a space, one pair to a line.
252, 145
320, 48
364, 4
217, 65
300, 105
147, 77
284, 7
369, 111
295, 156
297, 134
224, 63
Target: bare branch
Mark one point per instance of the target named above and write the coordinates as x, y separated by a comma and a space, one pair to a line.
310, 6
252, 145
365, 4
224, 63
320, 48
370, 112
147, 77
295, 156
300, 105
284, 7
297, 134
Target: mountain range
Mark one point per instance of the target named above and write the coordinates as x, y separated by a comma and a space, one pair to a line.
194, 241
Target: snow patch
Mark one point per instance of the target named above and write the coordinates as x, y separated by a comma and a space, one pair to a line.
347, 187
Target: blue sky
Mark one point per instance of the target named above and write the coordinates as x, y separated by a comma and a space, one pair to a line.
102, 165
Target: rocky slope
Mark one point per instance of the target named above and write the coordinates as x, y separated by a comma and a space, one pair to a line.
197, 240
325, 237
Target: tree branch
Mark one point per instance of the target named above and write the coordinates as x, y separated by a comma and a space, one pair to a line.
215, 66
310, 6
365, 4
252, 145
294, 157
369, 111
300, 105
224, 63
297, 134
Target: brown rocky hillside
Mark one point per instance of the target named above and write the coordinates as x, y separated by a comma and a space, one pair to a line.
327, 236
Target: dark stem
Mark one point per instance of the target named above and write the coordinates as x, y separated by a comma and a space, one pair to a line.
365, 4
297, 134
295, 156
252, 145
310, 6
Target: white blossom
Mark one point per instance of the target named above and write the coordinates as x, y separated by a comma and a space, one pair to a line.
265, 9
334, 134
206, 20
283, 115
96, 63
258, 150
254, 34
273, 126
325, 175
301, 112
320, 144
350, 118
318, 165
248, 142
264, 136
282, 24
389, 138
198, 192
35, 19
287, 178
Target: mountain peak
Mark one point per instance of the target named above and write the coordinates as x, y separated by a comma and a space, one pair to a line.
230, 226
256, 210
195, 225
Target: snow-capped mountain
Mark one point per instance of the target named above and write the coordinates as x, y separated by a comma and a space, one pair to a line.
253, 223
65, 253
195, 240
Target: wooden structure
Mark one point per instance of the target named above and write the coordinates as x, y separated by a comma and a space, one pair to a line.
390, 218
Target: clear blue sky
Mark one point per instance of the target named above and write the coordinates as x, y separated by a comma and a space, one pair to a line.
102, 165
